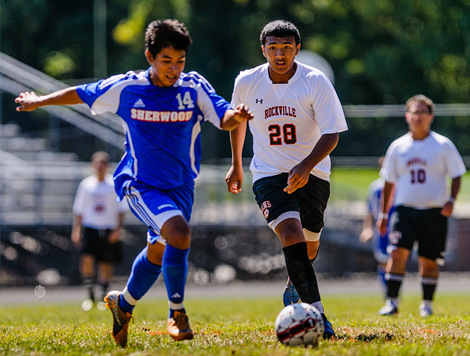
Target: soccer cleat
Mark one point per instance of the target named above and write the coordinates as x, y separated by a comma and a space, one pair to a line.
290, 295
425, 311
178, 326
329, 332
120, 319
389, 308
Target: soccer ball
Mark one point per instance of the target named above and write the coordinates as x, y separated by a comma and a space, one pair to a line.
299, 324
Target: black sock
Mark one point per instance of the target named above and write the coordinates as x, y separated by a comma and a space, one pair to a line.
89, 283
394, 281
301, 272
429, 287
104, 288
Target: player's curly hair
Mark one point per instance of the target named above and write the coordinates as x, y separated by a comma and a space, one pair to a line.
166, 33
423, 99
279, 28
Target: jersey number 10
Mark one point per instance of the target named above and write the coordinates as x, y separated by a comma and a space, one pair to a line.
418, 176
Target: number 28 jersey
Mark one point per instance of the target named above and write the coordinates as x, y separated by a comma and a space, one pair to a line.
162, 124
289, 119
420, 170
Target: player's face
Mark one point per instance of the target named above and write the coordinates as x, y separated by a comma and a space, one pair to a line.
166, 66
419, 118
100, 166
280, 53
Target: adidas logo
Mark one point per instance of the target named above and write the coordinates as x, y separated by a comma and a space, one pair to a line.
139, 104
176, 295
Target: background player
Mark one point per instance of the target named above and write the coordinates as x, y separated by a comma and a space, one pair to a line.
97, 210
370, 230
162, 111
418, 165
296, 125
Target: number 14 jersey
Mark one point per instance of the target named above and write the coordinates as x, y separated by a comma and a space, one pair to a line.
162, 124
289, 119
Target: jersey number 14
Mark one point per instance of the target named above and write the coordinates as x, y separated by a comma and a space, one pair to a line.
186, 102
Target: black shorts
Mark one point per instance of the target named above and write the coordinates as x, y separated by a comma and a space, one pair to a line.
310, 200
95, 243
428, 228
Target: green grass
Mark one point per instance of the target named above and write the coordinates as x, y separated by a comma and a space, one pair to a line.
240, 327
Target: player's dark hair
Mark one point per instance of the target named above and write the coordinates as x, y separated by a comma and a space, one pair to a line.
279, 28
100, 156
423, 99
166, 33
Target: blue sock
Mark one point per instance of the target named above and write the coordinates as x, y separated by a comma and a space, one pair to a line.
143, 276
381, 276
175, 270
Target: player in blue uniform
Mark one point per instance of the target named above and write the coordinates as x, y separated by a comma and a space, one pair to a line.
370, 230
162, 111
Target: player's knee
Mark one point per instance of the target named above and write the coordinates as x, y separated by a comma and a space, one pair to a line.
400, 254
179, 236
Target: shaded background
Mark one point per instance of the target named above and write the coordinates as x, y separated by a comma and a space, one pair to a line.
381, 53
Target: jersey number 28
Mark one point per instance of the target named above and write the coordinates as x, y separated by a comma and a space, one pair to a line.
287, 134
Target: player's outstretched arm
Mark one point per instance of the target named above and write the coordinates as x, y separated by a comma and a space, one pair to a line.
29, 101
234, 177
367, 228
233, 118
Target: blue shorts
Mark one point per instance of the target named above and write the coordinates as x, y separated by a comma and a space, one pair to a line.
155, 207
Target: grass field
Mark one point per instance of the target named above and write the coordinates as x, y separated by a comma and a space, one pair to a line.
240, 327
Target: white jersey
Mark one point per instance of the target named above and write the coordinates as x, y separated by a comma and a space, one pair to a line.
420, 170
96, 202
289, 119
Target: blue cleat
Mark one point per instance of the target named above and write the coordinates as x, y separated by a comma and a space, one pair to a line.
389, 309
329, 332
290, 295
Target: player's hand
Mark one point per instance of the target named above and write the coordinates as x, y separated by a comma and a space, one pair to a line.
234, 179
76, 238
28, 101
242, 113
114, 236
447, 209
298, 177
382, 225
366, 235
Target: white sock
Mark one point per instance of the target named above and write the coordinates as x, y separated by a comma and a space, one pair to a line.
319, 306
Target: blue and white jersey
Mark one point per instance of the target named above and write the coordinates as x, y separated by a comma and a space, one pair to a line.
374, 197
162, 124
379, 242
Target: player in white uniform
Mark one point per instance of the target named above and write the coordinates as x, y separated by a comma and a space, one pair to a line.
101, 216
418, 165
297, 120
